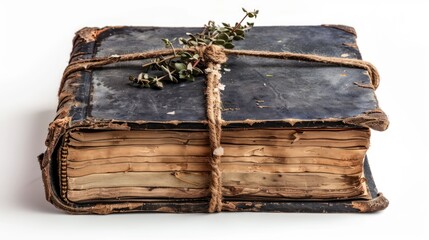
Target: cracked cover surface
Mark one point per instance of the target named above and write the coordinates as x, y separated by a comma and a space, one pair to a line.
279, 91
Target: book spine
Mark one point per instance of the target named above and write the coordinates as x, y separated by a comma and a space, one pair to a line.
70, 107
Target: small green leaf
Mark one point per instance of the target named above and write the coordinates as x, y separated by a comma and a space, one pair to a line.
167, 42
219, 42
229, 45
192, 37
185, 55
244, 10
189, 67
179, 66
182, 41
239, 31
223, 36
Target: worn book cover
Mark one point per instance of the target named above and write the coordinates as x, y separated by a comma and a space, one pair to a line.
294, 133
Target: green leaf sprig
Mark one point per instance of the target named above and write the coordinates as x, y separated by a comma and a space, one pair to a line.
184, 65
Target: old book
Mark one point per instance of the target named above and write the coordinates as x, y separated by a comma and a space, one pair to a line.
294, 133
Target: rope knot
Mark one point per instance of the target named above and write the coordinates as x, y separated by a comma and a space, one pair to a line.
212, 53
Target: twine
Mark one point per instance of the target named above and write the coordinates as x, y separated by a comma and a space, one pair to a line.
213, 56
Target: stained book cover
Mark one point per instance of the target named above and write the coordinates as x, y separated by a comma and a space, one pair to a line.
294, 133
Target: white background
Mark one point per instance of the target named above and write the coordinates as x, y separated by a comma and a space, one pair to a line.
35, 41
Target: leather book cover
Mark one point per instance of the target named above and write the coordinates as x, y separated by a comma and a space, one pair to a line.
258, 93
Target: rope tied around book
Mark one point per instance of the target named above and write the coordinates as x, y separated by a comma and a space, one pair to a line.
213, 56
